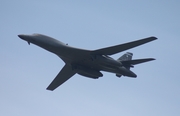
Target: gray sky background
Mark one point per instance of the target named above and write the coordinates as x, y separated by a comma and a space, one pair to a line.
26, 71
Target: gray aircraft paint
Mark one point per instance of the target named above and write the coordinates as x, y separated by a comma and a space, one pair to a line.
88, 63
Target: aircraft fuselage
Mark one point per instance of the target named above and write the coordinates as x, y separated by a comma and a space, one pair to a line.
83, 61
88, 63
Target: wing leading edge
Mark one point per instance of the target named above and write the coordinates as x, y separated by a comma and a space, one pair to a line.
122, 47
63, 76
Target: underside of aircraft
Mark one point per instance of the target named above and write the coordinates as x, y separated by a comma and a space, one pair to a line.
88, 63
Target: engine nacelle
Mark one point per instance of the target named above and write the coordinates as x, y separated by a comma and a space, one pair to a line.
88, 72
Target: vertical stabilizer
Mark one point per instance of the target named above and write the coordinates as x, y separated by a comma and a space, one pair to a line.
127, 56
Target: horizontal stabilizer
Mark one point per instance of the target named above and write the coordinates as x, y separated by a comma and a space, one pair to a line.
137, 61
122, 47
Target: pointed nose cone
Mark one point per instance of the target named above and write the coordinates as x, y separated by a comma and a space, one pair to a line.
22, 36
27, 38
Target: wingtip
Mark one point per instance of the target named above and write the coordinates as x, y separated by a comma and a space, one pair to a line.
153, 37
153, 59
49, 89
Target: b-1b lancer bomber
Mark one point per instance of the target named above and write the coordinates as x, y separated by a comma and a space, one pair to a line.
88, 63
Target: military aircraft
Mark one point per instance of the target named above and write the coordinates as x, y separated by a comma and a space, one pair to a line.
88, 63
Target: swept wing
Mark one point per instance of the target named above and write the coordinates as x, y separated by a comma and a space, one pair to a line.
119, 48
63, 76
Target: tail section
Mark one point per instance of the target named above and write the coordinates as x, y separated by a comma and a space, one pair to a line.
136, 61
128, 63
127, 56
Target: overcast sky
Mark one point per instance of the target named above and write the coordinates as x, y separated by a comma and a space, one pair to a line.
26, 71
